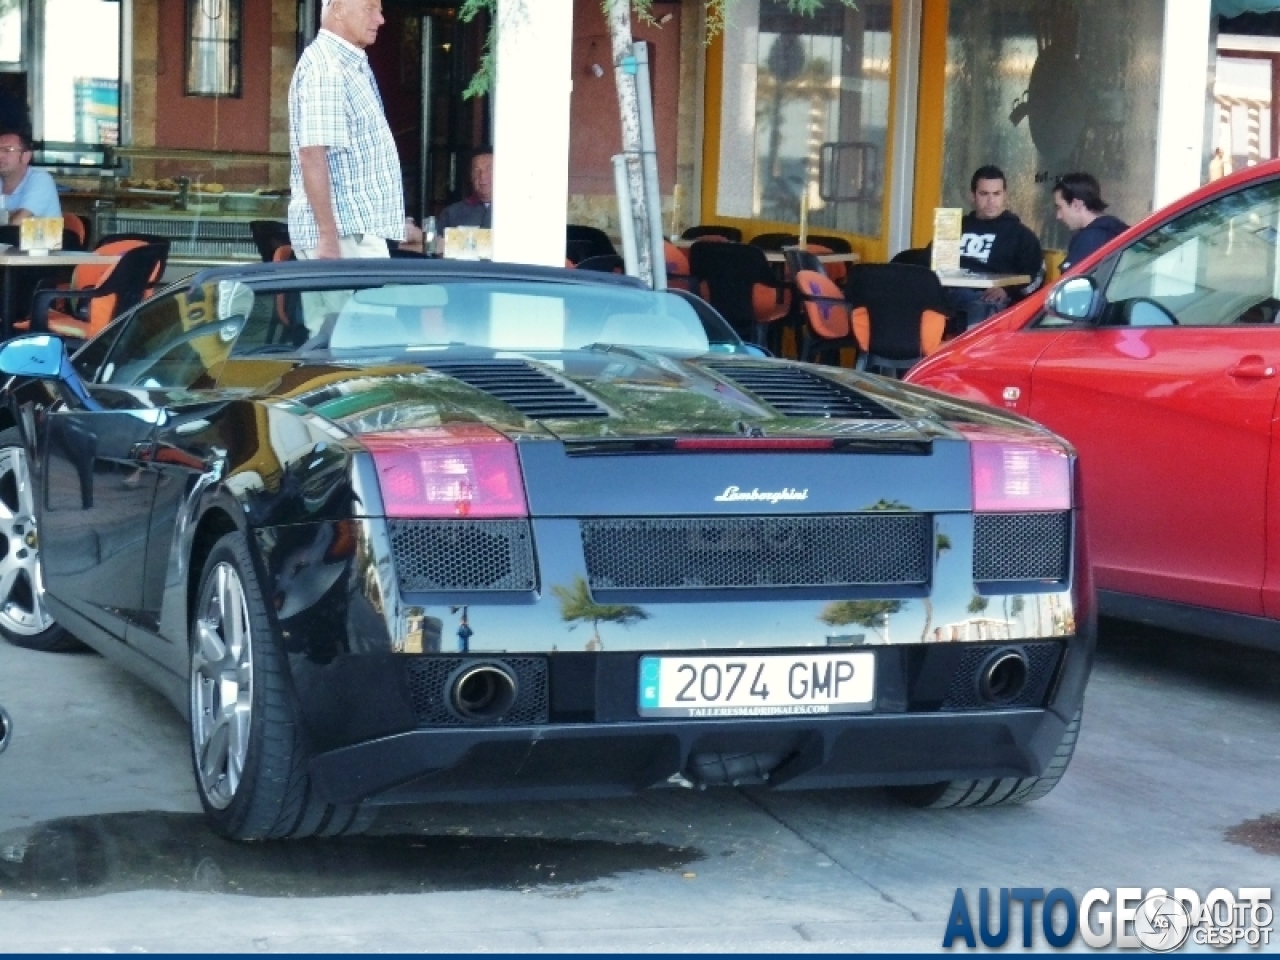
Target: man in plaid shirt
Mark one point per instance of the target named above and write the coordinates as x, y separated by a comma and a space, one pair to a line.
347, 193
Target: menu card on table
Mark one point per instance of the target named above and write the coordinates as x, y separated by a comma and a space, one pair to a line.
946, 238
39, 235
468, 243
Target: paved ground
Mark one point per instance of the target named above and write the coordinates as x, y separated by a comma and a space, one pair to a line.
101, 846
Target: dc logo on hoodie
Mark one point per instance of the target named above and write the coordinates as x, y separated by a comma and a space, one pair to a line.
977, 245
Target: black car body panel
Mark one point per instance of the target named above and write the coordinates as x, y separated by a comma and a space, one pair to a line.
868, 544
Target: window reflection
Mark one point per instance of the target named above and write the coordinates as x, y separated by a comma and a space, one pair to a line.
10, 31
213, 48
806, 110
80, 80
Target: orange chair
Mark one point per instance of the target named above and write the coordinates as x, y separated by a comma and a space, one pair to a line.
838, 272
109, 289
76, 225
678, 275
899, 314
828, 316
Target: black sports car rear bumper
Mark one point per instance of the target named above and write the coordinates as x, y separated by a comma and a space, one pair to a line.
593, 760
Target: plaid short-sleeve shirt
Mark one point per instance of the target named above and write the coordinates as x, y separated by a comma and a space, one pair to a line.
334, 103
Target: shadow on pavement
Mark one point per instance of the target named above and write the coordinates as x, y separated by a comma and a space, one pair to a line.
113, 853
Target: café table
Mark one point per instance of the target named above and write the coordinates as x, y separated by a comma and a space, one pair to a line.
973, 280
12, 260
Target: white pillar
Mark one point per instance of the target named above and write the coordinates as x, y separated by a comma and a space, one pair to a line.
1184, 97
531, 131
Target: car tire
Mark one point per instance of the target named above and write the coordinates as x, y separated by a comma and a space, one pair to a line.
25, 620
247, 746
994, 793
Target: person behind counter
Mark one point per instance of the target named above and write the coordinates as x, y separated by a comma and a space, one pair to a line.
477, 209
28, 191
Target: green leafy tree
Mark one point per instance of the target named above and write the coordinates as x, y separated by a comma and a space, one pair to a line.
577, 606
941, 544
872, 614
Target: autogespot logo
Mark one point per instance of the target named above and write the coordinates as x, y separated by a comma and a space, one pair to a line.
1127, 917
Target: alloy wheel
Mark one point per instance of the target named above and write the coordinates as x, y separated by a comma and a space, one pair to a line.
22, 607
222, 687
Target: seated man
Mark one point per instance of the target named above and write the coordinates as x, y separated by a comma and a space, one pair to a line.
1078, 203
993, 240
28, 191
477, 209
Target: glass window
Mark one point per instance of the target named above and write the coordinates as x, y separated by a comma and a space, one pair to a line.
10, 31
213, 48
79, 98
1215, 265
806, 110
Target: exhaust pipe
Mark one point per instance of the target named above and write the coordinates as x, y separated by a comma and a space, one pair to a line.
1003, 676
6, 729
482, 692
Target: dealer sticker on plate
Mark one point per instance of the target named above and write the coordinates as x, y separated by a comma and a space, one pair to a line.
759, 686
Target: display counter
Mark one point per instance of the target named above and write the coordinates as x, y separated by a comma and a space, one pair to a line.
201, 201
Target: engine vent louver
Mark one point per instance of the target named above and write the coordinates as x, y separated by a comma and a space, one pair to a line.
794, 392
535, 393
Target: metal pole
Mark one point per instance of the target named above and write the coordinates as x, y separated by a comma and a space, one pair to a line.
427, 33
626, 225
649, 164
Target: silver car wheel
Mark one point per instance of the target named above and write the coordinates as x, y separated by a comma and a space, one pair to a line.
222, 687
22, 609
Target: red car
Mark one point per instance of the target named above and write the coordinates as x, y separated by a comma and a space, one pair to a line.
1158, 357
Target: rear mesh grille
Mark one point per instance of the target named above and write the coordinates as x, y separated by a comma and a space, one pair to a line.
535, 393
798, 393
463, 554
701, 552
1021, 546
429, 686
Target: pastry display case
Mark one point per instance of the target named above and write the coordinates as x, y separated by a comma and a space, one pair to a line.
201, 201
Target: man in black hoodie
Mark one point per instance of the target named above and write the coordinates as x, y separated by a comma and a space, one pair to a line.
1078, 200
993, 240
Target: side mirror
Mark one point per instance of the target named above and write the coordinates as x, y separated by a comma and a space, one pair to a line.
1075, 299
38, 358
43, 357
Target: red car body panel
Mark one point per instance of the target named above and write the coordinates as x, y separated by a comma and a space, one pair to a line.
1175, 429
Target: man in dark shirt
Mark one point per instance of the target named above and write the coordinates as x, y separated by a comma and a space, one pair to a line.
993, 240
477, 209
1077, 198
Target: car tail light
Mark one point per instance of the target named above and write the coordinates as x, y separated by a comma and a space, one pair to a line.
455, 470
1014, 472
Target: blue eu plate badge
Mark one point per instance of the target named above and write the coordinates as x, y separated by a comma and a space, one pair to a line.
649, 672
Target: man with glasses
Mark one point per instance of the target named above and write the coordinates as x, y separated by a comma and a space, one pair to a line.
28, 191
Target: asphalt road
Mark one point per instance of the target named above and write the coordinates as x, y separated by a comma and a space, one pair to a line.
1175, 783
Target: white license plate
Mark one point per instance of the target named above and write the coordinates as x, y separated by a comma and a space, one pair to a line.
761, 686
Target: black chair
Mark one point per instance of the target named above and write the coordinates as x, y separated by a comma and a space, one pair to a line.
798, 258
151, 238
581, 242
774, 241
740, 284
914, 256
128, 281
831, 242
900, 314
268, 236
712, 230
603, 263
